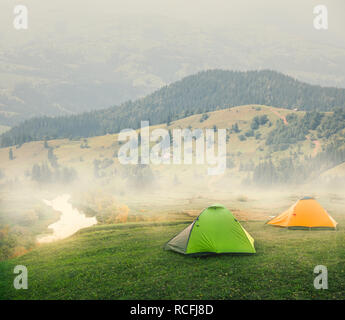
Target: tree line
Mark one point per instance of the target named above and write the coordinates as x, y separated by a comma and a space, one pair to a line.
197, 94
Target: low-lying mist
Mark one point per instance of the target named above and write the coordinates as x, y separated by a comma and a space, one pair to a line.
32, 213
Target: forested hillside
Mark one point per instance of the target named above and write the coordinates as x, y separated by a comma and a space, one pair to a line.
205, 91
263, 152
314, 126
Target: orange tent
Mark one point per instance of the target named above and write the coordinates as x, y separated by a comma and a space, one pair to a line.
306, 212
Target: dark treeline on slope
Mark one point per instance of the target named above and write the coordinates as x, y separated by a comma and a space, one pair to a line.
317, 125
42, 173
51, 171
291, 170
203, 92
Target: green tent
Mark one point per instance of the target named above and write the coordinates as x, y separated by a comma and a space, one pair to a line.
215, 230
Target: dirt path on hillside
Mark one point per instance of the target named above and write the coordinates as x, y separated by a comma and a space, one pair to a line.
280, 116
317, 148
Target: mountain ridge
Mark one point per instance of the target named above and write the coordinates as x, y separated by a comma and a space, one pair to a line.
203, 92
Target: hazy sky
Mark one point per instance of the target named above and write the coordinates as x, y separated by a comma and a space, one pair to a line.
290, 16
80, 55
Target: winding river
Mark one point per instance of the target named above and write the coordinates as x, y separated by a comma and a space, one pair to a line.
71, 220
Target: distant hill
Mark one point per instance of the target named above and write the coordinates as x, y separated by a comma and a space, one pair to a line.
204, 92
95, 66
336, 172
260, 146
266, 147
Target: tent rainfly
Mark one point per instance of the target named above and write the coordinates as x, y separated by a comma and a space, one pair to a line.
214, 231
305, 213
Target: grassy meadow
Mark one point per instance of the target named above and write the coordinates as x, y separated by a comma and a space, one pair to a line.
80, 154
127, 261
123, 258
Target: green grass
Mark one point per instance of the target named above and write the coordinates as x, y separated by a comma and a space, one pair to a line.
128, 262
